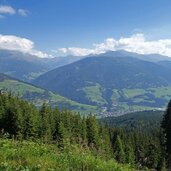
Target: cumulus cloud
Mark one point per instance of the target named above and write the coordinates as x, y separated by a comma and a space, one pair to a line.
10, 42
4, 9
62, 50
22, 12
8, 10
137, 43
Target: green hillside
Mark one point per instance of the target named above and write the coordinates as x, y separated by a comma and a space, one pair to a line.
116, 85
128, 100
37, 95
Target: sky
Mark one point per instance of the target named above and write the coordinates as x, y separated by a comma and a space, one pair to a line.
81, 27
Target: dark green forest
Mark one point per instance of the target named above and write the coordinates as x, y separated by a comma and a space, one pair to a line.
21, 121
140, 120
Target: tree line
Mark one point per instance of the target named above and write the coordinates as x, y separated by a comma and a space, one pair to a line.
22, 120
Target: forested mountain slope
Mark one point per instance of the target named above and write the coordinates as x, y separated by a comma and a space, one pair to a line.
114, 84
37, 95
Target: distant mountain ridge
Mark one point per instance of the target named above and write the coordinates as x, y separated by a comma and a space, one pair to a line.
145, 57
19, 65
125, 72
112, 83
25, 67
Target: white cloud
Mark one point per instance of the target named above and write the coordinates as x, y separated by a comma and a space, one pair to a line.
10, 42
136, 43
22, 12
62, 50
4, 9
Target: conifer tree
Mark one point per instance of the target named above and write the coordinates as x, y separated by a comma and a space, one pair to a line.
62, 135
84, 130
31, 119
129, 152
119, 150
105, 143
45, 127
92, 131
77, 128
166, 126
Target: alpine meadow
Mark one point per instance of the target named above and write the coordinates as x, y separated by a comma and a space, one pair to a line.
85, 85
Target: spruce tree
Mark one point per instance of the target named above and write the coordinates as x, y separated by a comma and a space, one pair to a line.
119, 153
62, 135
84, 130
92, 131
129, 153
166, 126
45, 127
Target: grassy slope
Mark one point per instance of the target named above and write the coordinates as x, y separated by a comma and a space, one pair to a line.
141, 99
129, 100
125, 100
94, 94
25, 155
38, 96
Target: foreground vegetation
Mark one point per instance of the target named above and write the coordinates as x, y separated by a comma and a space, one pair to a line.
26, 155
62, 140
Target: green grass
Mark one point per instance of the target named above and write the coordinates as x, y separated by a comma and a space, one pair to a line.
115, 96
129, 100
30, 156
157, 92
161, 92
19, 87
130, 93
34, 75
94, 94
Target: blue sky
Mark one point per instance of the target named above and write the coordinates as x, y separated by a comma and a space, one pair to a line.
53, 24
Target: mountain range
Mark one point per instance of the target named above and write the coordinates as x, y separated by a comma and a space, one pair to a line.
26, 67
114, 82
111, 83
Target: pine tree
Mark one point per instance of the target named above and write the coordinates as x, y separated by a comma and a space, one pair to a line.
119, 153
105, 143
76, 130
62, 135
45, 127
152, 156
129, 152
92, 131
84, 130
166, 126
31, 119
2, 113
